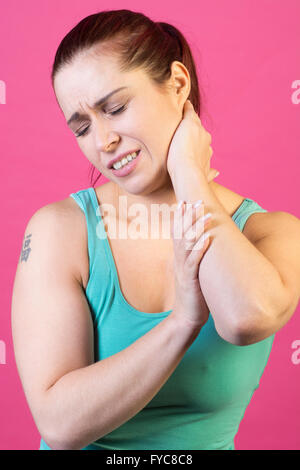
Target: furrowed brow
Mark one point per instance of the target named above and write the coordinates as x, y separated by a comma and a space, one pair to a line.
77, 117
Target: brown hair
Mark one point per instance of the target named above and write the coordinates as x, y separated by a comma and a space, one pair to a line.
137, 41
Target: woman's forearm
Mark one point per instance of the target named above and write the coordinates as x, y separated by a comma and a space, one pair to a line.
241, 287
88, 403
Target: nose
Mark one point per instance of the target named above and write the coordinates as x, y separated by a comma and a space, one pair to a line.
105, 137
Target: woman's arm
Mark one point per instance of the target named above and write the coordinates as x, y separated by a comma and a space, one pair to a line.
73, 400
242, 288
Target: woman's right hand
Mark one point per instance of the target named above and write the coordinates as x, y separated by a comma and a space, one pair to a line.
190, 243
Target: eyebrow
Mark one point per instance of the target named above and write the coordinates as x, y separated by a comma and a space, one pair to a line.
78, 116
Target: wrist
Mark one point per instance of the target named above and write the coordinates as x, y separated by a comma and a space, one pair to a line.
181, 332
187, 165
187, 182
182, 322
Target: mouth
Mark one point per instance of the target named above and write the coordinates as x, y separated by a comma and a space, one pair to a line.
120, 158
127, 167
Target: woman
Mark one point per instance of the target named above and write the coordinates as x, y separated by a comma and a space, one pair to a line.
154, 342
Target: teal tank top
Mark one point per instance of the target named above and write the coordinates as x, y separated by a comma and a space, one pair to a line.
204, 400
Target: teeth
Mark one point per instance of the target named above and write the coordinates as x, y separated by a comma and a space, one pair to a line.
124, 160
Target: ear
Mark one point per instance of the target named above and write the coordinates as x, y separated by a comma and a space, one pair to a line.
181, 81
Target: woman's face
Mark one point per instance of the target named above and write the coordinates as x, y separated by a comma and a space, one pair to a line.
147, 118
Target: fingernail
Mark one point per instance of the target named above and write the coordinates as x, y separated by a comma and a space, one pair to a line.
179, 205
217, 174
205, 236
198, 203
206, 216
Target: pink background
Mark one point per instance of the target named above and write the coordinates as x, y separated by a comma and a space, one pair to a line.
248, 57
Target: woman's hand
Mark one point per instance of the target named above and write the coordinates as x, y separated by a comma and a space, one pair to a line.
189, 243
191, 145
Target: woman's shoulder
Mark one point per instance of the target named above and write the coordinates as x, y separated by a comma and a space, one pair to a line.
63, 212
259, 224
65, 221
229, 199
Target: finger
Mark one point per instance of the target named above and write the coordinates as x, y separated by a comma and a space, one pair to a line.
188, 106
199, 249
177, 226
192, 213
196, 231
196, 254
178, 238
213, 173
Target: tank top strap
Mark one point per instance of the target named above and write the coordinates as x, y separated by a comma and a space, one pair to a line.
87, 201
247, 208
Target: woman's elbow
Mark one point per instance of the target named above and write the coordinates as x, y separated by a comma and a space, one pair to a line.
57, 432
256, 328
60, 440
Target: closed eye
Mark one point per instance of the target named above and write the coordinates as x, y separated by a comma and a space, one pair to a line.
84, 131
118, 110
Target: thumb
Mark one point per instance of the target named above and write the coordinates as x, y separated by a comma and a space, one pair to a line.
213, 173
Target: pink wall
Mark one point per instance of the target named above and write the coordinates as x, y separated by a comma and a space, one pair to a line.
248, 59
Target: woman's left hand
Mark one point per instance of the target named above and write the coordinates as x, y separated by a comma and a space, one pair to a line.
191, 145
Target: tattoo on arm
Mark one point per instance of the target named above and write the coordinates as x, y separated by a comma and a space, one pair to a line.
25, 248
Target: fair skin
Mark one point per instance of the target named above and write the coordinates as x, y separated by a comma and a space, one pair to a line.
52, 328
86, 80
165, 175
137, 127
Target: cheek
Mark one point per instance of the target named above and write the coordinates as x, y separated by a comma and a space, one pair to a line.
88, 149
